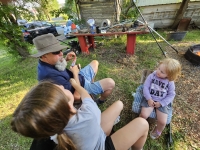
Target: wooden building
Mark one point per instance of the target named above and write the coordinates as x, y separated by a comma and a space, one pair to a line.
162, 12
100, 10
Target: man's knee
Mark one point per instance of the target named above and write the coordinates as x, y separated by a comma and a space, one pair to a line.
110, 83
94, 63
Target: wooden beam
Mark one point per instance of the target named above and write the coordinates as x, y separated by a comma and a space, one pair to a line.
180, 13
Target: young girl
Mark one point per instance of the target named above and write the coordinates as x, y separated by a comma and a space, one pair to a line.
159, 91
47, 110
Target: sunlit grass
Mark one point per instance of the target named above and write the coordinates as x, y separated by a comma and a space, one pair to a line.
18, 76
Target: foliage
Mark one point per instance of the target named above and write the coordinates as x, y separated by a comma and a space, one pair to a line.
70, 9
57, 12
65, 16
10, 33
128, 10
46, 7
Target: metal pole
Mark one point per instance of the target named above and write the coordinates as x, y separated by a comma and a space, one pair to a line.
150, 29
159, 35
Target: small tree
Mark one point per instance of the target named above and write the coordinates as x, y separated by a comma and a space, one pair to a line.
10, 33
45, 8
128, 10
70, 9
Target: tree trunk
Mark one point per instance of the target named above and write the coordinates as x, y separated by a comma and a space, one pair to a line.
180, 13
22, 51
118, 10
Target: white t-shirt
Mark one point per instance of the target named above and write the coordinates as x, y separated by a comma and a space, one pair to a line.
84, 128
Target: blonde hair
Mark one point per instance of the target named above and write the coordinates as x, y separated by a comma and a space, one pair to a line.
173, 68
44, 112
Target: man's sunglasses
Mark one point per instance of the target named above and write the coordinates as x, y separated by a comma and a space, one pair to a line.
57, 53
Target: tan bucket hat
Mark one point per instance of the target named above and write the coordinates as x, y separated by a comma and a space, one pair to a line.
47, 43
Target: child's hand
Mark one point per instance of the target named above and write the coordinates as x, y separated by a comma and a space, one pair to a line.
72, 81
151, 103
157, 104
74, 69
70, 56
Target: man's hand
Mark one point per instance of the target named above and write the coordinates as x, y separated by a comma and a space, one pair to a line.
157, 104
151, 103
70, 56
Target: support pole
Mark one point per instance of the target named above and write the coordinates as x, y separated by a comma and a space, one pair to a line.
159, 36
150, 29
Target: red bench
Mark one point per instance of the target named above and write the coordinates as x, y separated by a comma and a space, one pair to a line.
130, 45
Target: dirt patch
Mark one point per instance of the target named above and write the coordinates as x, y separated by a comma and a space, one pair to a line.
186, 114
187, 102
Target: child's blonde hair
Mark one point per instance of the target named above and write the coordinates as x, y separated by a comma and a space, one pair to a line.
173, 68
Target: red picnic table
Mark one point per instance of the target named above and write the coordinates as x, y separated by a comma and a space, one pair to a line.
86, 40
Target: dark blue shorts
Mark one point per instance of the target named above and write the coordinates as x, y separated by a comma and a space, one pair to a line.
109, 144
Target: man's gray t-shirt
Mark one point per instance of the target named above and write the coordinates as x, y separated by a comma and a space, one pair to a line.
84, 128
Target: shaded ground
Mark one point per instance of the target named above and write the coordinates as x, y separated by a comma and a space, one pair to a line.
187, 103
186, 115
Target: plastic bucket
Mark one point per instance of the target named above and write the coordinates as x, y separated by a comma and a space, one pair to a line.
176, 36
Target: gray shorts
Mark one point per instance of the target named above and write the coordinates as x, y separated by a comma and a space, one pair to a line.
164, 109
91, 87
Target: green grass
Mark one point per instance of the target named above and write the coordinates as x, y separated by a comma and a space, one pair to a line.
18, 76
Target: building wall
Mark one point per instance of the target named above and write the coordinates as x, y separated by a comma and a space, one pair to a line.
158, 2
163, 15
98, 10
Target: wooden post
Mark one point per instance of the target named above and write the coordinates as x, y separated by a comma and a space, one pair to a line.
180, 13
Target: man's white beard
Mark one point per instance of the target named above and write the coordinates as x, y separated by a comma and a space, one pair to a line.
61, 64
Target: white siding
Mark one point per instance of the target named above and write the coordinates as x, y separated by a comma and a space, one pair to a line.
163, 15
158, 2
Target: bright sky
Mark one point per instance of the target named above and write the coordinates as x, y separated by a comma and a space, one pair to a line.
61, 1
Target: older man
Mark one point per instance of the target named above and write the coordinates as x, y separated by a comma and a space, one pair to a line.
52, 66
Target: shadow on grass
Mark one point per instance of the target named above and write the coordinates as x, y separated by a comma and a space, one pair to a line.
11, 140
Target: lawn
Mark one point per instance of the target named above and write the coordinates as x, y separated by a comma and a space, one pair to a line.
18, 76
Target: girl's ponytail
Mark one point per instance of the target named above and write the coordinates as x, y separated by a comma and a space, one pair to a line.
65, 143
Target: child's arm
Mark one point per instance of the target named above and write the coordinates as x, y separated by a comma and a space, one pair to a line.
170, 94
83, 93
75, 72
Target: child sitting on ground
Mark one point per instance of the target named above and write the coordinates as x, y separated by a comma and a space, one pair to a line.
159, 92
47, 110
